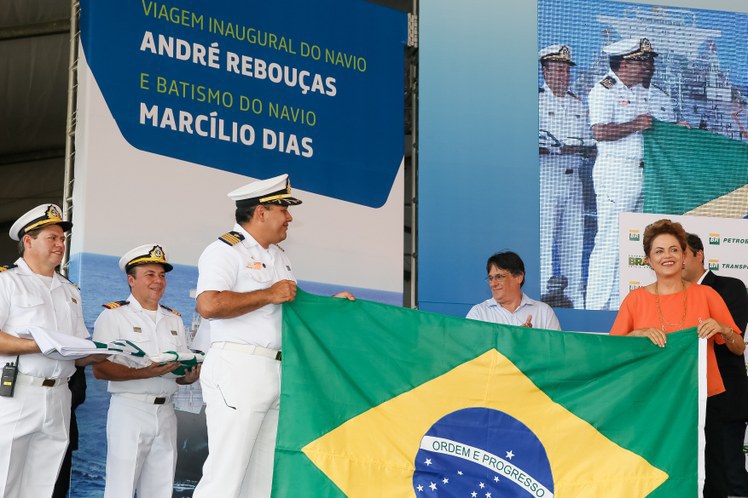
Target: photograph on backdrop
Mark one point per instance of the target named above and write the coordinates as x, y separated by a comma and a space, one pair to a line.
641, 109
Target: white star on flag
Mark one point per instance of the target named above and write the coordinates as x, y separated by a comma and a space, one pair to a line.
509, 454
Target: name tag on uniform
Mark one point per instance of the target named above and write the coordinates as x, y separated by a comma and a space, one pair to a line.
255, 265
137, 329
173, 332
624, 102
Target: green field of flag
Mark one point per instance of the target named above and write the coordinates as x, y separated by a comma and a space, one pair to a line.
687, 168
382, 401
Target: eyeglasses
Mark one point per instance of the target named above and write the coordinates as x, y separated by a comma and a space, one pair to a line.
499, 277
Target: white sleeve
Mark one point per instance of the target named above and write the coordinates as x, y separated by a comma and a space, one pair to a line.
600, 105
217, 269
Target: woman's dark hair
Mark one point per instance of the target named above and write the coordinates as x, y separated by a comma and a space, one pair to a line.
661, 227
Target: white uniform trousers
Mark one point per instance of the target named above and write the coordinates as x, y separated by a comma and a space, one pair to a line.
618, 187
141, 449
242, 394
34, 434
562, 223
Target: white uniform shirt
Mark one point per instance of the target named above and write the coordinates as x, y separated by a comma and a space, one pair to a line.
26, 300
244, 267
564, 117
132, 322
543, 316
659, 104
611, 101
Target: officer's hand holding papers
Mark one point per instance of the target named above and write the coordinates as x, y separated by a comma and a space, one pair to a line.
59, 346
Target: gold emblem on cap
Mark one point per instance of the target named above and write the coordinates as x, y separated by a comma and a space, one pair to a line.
157, 252
565, 52
52, 213
645, 45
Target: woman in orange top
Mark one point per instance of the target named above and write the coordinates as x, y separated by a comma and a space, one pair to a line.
671, 303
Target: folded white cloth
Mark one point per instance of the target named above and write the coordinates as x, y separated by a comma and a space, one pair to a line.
188, 357
59, 346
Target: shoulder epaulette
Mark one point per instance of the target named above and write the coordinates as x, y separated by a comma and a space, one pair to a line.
541, 89
660, 89
7, 267
231, 238
115, 304
173, 311
573, 95
608, 82
66, 279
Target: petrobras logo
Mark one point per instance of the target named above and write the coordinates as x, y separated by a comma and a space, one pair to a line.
634, 235
634, 285
636, 261
733, 240
713, 239
482, 452
714, 264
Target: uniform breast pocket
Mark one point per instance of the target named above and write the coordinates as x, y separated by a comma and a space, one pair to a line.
28, 309
262, 277
76, 312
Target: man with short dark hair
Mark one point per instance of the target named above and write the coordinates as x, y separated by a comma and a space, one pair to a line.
726, 413
509, 305
565, 142
244, 278
35, 419
141, 423
618, 116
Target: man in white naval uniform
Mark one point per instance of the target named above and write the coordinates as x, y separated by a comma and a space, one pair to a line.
657, 102
244, 277
141, 423
508, 304
618, 115
35, 420
565, 141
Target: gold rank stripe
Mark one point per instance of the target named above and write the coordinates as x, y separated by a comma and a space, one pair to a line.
115, 304
173, 311
230, 238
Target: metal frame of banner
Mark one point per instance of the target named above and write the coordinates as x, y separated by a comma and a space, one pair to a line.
71, 122
410, 277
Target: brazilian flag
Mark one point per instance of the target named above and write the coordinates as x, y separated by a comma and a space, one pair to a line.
388, 402
694, 171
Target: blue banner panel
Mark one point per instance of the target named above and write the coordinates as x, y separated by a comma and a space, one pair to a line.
238, 87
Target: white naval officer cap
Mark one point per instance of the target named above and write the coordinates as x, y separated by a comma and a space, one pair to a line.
556, 53
276, 190
631, 49
144, 255
40, 216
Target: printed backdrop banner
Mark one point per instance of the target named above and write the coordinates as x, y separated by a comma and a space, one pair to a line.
180, 103
258, 88
694, 171
467, 408
725, 241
